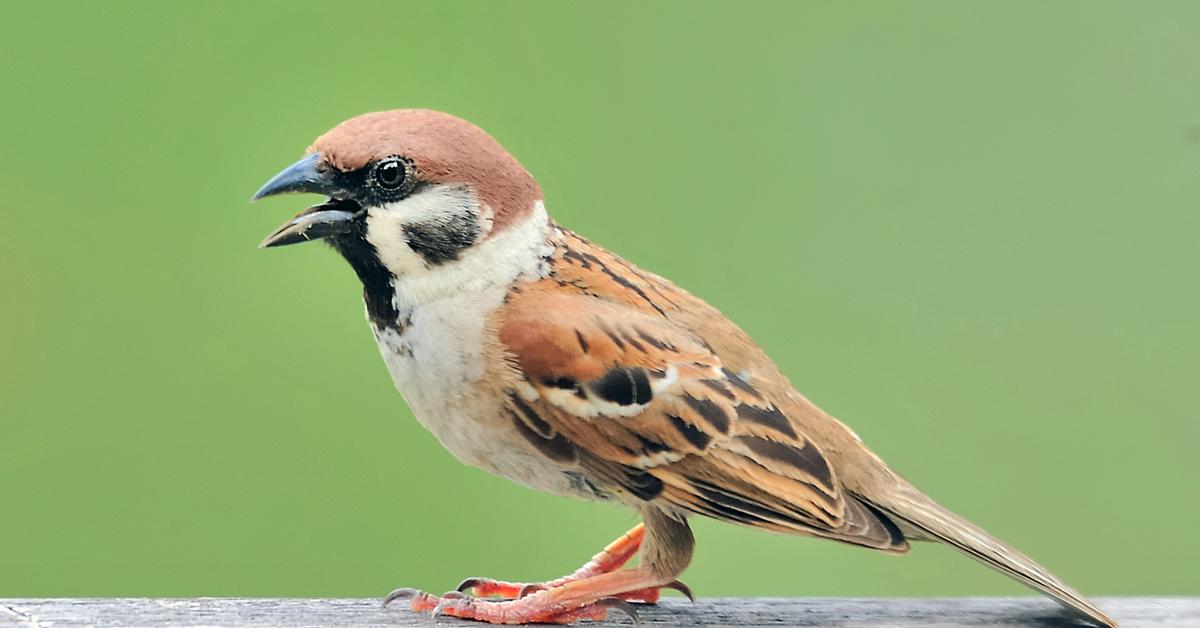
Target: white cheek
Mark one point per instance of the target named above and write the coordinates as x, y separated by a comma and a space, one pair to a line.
385, 224
520, 250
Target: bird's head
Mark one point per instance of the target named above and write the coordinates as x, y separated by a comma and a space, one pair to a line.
407, 190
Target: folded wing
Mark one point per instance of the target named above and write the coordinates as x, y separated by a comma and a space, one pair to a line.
646, 408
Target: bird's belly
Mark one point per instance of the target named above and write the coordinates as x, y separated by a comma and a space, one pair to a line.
436, 363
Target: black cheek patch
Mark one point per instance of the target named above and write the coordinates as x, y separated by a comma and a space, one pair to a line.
441, 241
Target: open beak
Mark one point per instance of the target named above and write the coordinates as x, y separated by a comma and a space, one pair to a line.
333, 217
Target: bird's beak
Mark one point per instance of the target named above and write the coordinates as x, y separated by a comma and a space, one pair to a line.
333, 217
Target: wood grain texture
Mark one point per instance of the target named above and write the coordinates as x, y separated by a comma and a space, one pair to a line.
836, 612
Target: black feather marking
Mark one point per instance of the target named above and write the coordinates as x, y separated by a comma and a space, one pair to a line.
694, 435
825, 506
806, 458
770, 418
554, 447
582, 342
897, 536
711, 413
534, 421
621, 280
651, 446
715, 495
648, 280
741, 384
576, 256
566, 383
652, 341
623, 386
725, 513
641, 484
612, 336
720, 387
581, 484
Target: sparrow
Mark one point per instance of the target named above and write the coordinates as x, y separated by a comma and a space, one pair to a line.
537, 355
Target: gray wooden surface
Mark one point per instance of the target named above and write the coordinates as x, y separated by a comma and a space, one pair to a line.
839, 613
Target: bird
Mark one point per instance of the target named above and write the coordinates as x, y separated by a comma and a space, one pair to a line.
535, 354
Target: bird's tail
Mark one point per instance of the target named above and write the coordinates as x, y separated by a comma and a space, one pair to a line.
919, 511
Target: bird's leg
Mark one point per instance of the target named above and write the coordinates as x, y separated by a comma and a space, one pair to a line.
609, 559
666, 552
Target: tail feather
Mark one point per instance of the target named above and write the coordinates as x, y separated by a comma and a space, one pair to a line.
915, 509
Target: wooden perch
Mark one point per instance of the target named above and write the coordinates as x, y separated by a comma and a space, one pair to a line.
1131, 612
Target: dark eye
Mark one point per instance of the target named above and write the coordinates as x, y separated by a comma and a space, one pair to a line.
390, 174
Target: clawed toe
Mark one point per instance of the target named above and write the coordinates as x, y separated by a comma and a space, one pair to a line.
621, 605
476, 583
401, 594
530, 589
678, 585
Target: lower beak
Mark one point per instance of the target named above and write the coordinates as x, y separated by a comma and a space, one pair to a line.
331, 218
320, 221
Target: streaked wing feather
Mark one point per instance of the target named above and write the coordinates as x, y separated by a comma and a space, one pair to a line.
643, 405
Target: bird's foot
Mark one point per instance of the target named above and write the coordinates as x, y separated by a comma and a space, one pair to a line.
487, 587
527, 610
610, 559
584, 598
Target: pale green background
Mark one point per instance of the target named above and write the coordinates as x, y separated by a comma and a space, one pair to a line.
969, 229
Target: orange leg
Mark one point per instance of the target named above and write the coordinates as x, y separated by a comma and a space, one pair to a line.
610, 559
584, 598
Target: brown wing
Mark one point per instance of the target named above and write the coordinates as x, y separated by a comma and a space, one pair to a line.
646, 407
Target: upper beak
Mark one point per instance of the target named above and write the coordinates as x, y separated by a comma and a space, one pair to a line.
302, 176
320, 221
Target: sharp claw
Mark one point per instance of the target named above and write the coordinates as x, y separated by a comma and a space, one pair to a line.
623, 606
469, 583
437, 610
682, 588
401, 593
529, 589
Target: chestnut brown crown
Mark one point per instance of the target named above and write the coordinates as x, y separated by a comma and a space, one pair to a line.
443, 148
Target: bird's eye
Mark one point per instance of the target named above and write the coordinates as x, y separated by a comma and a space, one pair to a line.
390, 174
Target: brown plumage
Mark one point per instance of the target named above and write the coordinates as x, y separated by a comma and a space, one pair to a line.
730, 439
535, 354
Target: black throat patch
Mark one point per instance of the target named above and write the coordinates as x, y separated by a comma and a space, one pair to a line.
443, 240
375, 277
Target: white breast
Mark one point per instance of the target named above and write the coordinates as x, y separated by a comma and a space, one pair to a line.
436, 356
436, 365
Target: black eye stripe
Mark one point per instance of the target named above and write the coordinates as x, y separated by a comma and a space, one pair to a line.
385, 180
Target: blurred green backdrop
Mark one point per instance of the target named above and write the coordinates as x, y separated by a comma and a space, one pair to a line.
968, 229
